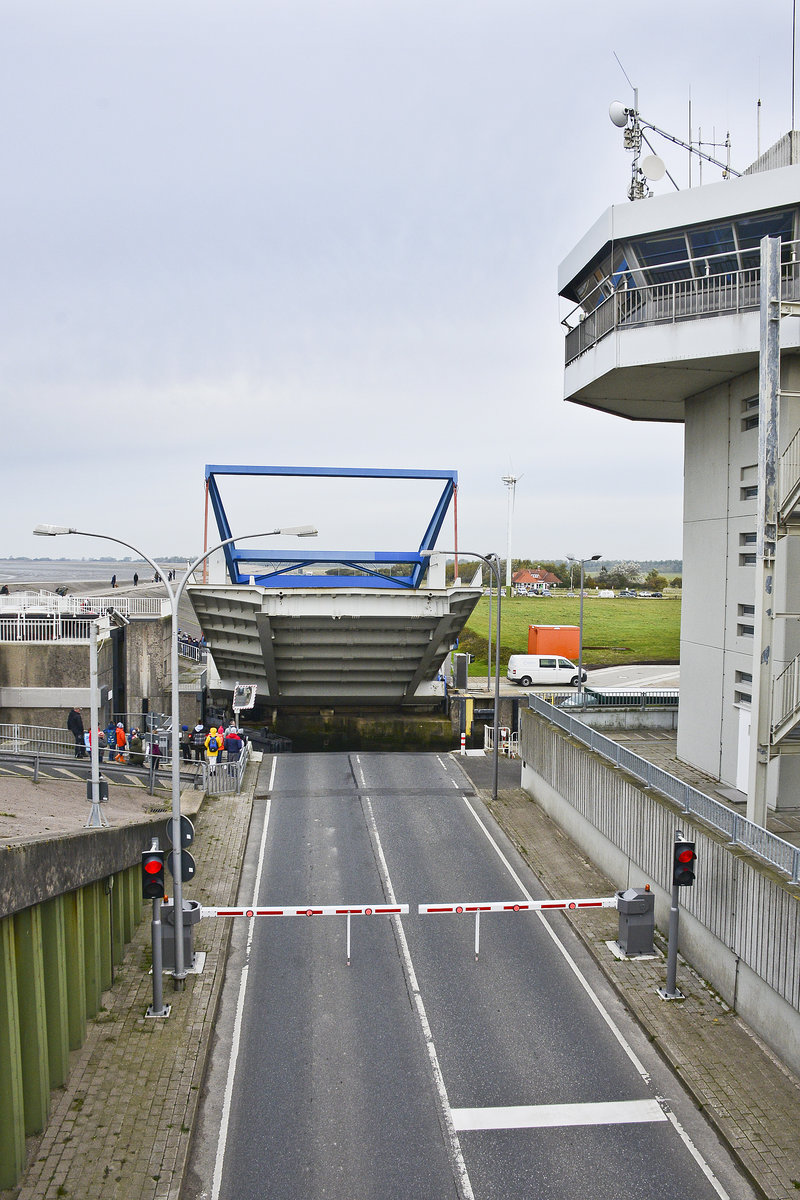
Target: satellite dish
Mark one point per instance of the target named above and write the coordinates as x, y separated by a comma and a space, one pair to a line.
653, 167
618, 114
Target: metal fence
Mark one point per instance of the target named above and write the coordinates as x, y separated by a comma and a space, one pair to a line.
56, 742
226, 777
767, 846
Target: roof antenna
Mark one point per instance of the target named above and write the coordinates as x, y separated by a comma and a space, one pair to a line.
653, 167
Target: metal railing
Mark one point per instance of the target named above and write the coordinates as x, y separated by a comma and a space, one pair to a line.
226, 777
36, 739
508, 740
54, 627
638, 698
50, 602
785, 699
767, 846
193, 651
789, 476
56, 742
704, 295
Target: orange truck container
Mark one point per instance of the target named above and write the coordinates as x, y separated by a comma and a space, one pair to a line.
554, 639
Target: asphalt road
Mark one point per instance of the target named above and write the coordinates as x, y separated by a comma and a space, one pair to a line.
417, 1071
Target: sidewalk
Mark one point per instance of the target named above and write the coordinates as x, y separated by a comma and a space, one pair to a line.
749, 1097
120, 1129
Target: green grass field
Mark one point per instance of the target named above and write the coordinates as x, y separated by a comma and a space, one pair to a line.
615, 632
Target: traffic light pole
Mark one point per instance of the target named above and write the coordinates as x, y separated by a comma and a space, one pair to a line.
153, 878
683, 857
158, 1008
671, 992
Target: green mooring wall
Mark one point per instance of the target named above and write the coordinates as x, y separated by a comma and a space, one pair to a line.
68, 908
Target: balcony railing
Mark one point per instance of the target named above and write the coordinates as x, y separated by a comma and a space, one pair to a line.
681, 300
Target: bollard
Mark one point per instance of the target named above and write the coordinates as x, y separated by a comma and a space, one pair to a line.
463, 743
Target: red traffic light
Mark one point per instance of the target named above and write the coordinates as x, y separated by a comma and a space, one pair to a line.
152, 874
683, 860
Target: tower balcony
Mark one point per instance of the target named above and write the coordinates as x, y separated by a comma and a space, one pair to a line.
644, 349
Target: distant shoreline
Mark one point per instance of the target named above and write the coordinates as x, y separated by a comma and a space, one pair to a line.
48, 574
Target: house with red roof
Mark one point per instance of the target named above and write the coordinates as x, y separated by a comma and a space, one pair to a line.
534, 582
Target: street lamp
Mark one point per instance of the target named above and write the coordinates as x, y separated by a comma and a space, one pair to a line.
179, 974
493, 563
571, 558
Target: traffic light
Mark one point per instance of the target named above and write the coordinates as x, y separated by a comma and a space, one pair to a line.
683, 860
152, 874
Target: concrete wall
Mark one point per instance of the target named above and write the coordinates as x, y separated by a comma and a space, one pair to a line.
627, 718
68, 907
51, 664
740, 923
58, 673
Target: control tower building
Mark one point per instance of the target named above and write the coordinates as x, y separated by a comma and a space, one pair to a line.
667, 327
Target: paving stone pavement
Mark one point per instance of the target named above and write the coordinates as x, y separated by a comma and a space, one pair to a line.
120, 1129
749, 1096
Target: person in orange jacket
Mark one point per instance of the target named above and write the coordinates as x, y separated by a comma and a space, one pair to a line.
122, 743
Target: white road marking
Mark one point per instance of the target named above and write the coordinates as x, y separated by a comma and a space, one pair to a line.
462, 1179
617, 1032
551, 1116
237, 1023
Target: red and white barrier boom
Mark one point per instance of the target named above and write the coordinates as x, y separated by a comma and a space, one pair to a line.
313, 910
513, 906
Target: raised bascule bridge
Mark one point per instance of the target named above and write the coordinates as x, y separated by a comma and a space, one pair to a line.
334, 628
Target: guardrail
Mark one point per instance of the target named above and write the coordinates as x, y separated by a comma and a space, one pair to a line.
760, 841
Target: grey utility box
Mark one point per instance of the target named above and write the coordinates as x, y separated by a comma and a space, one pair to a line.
636, 909
191, 915
461, 672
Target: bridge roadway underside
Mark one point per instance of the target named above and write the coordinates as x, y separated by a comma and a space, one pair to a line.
323, 648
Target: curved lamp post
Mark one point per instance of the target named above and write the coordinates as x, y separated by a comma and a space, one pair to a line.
493, 563
179, 974
571, 558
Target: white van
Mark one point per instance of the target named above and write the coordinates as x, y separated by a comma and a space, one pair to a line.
541, 669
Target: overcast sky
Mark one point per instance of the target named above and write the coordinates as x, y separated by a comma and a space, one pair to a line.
326, 232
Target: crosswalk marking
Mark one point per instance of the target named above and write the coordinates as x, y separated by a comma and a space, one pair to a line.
541, 1116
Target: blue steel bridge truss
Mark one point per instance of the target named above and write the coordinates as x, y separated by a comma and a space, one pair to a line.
281, 565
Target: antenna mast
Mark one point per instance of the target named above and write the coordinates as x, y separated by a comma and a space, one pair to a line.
511, 483
632, 123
